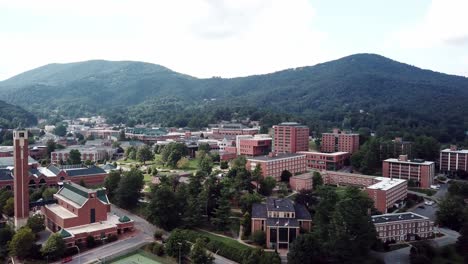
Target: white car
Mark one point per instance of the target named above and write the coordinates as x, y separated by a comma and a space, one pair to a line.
428, 202
435, 187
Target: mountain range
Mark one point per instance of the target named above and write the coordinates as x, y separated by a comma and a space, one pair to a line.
361, 91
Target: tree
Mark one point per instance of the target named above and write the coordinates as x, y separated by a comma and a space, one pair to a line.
4, 196
51, 146
462, 241
54, 247
48, 193
259, 237
144, 154
317, 180
163, 209
195, 200
426, 148
285, 175
74, 157
9, 208
224, 165
451, 212
198, 255
172, 153
36, 223
22, 243
247, 200
130, 152
267, 185
246, 223
305, 249
183, 163
222, 212
239, 162
206, 164
129, 189
204, 147
60, 130
90, 241
82, 183
306, 198
177, 242
111, 183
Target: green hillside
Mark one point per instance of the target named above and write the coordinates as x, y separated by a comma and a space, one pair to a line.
358, 91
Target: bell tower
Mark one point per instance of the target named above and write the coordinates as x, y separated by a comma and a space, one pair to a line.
21, 177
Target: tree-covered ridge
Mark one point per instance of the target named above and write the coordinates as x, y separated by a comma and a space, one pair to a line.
358, 91
12, 116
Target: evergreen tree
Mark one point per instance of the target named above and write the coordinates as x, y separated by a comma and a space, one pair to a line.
317, 180
222, 212
111, 183
75, 157
198, 255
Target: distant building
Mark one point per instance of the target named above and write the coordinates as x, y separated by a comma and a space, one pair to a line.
396, 148
339, 141
253, 145
420, 171
453, 160
281, 220
233, 130
325, 161
92, 153
82, 212
273, 165
290, 137
402, 226
385, 192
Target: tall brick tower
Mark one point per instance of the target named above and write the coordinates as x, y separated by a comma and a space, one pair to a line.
21, 175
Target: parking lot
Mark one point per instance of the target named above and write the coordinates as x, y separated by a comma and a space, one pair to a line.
428, 211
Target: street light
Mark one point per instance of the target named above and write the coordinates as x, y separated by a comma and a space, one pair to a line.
180, 246
79, 257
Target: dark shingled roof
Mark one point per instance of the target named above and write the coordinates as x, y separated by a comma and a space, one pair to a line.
5, 175
10, 161
277, 204
54, 169
259, 210
301, 212
291, 222
92, 170
124, 219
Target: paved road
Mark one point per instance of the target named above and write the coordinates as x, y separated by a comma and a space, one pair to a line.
428, 211
399, 256
449, 238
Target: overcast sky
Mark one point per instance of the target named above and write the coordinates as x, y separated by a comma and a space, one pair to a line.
230, 38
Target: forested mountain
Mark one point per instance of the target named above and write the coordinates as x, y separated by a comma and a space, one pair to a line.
359, 91
12, 116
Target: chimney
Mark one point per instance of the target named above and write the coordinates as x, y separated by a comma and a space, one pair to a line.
453, 147
403, 158
398, 139
336, 130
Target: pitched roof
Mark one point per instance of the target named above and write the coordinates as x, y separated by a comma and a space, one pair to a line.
277, 204
64, 233
10, 161
124, 219
259, 210
5, 175
302, 212
74, 193
91, 170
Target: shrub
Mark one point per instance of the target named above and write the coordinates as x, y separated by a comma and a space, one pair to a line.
112, 238
90, 242
259, 237
158, 234
158, 249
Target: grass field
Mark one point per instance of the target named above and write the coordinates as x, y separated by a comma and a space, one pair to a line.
141, 257
229, 241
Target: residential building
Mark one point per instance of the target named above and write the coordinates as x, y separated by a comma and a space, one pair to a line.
385, 192
325, 161
301, 182
281, 220
232, 129
253, 145
340, 141
81, 212
402, 227
417, 170
274, 164
290, 137
453, 160
92, 153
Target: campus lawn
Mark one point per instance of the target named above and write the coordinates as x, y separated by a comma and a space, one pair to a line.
228, 241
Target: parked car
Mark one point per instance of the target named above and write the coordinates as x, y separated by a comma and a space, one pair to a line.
428, 202
421, 207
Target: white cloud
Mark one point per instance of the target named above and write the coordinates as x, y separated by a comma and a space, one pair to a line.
201, 38
445, 23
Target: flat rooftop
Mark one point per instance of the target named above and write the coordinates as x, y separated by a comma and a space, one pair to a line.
463, 151
386, 183
410, 162
339, 153
276, 157
387, 218
292, 124
90, 227
60, 211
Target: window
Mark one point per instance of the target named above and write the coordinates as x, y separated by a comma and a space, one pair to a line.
92, 215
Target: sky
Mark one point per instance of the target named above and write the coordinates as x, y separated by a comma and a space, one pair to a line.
231, 38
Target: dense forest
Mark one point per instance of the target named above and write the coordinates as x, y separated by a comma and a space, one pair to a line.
362, 91
12, 116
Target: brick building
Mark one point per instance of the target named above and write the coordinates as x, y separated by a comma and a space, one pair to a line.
253, 145
92, 153
290, 137
395, 148
281, 220
274, 164
82, 212
339, 141
453, 160
420, 171
402, 227
301, 182
325, 161
222, 130
385, 192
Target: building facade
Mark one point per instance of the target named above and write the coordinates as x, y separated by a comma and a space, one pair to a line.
92, 153
453, 160
325, 161
290, 137
253, 145
420, 171
403, 227
281, 220
339, 141
274, 164
81, 212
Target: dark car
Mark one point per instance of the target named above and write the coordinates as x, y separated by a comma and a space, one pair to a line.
421, 207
